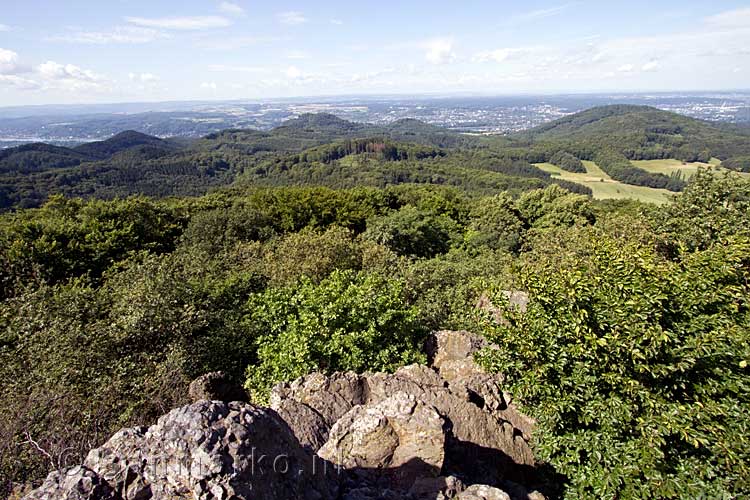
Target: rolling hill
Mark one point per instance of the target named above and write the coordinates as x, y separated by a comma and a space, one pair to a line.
645, 133
322, 149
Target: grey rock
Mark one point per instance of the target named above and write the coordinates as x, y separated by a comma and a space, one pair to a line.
436, 488
483, 492
307, 425
208, 450
75, 483
399, 438
330, 396
406, 435
444, 347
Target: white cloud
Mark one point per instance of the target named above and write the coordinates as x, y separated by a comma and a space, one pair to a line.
57, 71
337, 22
120, 34
498, 55
651, 66
69, 77
231, 9
439, 50
8, 62
181, 23
143, 77
739, 18
293, 72
18, 82
209, 85
598, 57
292, 18
626, 68
4, 27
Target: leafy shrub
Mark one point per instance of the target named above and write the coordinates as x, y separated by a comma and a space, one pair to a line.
348, 322
636, 368
71, 238
712, 208
554, 207
495, 223
312, 254
413, 232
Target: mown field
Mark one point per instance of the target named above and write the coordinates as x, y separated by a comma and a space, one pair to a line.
670, 166
604, 187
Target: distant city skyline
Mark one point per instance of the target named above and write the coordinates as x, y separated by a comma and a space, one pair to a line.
133, 50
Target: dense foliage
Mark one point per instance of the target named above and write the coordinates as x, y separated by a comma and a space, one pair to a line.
567, 161
634, 358
323, 150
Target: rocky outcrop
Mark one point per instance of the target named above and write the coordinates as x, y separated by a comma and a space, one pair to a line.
439, 432
208, 449
400, 438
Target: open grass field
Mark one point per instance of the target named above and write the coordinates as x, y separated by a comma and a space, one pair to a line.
668, 167
606, 188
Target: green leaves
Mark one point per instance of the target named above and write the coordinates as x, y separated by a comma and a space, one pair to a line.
348, 322
631, 363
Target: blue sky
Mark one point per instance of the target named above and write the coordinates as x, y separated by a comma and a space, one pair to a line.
81, 51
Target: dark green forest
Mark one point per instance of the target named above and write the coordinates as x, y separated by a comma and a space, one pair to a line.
323, 150
326, 245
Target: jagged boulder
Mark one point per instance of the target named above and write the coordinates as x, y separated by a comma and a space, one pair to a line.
400, 438
75, 483
483, 492
209, 449
486, 437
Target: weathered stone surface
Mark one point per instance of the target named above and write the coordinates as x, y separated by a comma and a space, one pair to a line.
306, 424
400, 438
480, 444
209, 450
75, 483
446, 346
330, 396
436, 488
216, 386
483, 492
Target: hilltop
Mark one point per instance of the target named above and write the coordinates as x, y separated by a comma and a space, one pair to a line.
645, 133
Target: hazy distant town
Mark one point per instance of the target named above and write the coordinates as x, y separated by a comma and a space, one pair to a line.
484, 115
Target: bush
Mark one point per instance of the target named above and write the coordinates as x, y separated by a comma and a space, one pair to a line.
739, 164
413, 232
348, 322
313, 254
495, 223
636, 368
567, 161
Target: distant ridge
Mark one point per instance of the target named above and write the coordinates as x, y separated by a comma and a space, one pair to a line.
121, 142
644, 132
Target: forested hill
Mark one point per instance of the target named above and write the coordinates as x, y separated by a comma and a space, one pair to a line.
133, 163
642, 132
324, 150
